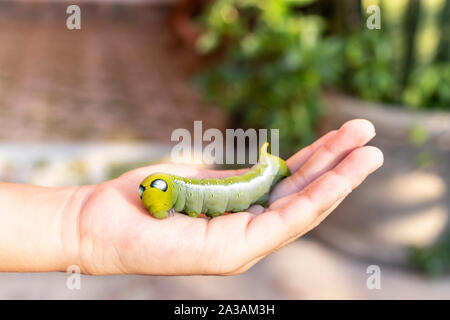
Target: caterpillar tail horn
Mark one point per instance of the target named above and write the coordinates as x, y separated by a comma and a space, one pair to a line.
283, 169
263, 152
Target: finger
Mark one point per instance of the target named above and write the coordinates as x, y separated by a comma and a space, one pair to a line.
351, 135
254, 261
298, 159
352, 166
268, 231
353, 157
319, 219
345, 168
294, 162
256, 209
245, 267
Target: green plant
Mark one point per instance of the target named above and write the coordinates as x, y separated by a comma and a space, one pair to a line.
368, 59
434, 260
407, 61
429, 88
274, 65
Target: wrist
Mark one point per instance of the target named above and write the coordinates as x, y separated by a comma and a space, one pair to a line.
39, 227
68, 231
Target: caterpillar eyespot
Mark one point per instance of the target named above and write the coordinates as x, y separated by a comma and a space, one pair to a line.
159, 184
163, 193
141, 190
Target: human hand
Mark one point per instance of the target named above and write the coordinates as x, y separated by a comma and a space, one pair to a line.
117, 235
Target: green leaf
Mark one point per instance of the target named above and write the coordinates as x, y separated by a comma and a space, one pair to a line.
300, 3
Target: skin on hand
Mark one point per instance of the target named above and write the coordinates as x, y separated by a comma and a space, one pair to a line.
117, 235
104, 229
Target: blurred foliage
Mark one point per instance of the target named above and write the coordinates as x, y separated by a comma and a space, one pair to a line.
368, 66
405, 62
277, 55
418, 135
274, 65
429, 88
434, 260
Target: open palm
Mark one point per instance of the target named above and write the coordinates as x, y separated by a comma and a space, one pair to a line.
117, 235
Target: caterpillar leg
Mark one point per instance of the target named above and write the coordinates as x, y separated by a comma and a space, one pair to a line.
193, 214
214, 214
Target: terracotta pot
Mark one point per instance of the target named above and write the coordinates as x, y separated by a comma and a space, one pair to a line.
405, 203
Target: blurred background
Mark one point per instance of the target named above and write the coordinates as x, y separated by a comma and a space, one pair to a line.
83, 106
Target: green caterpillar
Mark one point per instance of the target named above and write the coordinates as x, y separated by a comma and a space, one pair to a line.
163, 193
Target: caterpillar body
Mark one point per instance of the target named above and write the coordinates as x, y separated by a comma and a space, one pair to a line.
162, 193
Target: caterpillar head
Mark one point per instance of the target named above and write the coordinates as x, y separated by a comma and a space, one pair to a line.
157, 193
